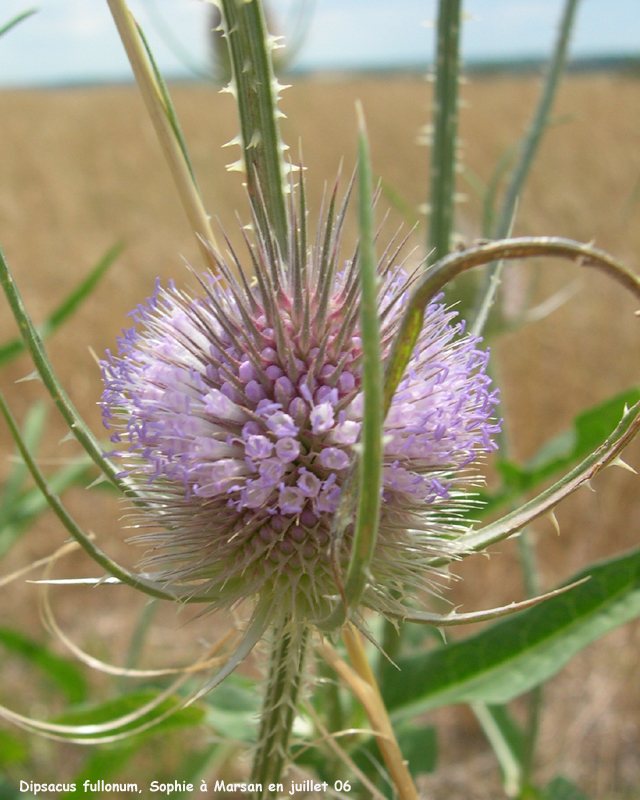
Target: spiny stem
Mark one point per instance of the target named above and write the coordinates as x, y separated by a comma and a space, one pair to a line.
445, 124
279, 707
256, 93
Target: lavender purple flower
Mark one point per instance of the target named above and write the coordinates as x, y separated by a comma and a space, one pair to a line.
236, 413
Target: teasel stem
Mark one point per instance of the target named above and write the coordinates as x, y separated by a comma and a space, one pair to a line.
256, 91
445, 126
288, 647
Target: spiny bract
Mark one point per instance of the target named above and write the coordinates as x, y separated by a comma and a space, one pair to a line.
236, 414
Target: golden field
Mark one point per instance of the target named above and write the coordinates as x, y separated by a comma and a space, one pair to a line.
80, 169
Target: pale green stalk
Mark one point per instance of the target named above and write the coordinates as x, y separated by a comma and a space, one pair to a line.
16, 20
164, 121
508, 757
528, 152
528, 561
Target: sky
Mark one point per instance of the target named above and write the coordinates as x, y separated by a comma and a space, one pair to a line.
75, 40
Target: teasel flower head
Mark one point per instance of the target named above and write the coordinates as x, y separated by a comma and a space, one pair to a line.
236, 414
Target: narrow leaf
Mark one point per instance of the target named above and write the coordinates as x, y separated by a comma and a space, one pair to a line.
528, 152
370, 461
34, 343
561, 788
68, 306
514, 656
62, 672
16, 20
126, 705
589, 430
32, 431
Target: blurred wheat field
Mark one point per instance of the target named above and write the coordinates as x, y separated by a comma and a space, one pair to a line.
80, 169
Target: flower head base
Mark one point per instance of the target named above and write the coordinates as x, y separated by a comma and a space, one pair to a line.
237, 413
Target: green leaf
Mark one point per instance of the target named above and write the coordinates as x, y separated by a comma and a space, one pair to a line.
589, 430
15, 20
561, 788
232, 709
96, 713
103, 763
69, 305
32, 432
62, 672
9, 791
513, 656
419, 747
12, 749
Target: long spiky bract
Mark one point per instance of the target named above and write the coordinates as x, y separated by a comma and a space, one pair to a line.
370, 463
